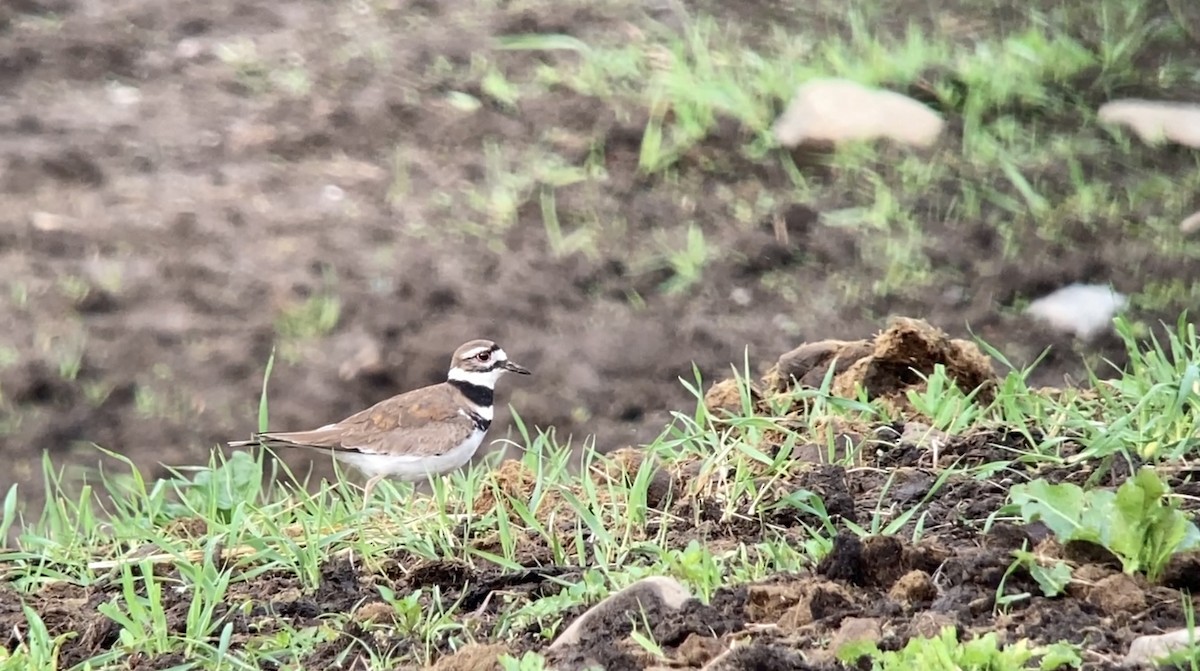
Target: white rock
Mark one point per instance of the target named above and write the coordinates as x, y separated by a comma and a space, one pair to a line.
1082, 309
838, 110
189, 48
923, 436
1146, 649
47, 221
333, 193
1155, 121
1191, 224
123, 96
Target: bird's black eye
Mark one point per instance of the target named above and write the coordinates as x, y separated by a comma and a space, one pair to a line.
483, 356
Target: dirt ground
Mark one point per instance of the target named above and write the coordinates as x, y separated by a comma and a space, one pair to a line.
170, 192
953, 576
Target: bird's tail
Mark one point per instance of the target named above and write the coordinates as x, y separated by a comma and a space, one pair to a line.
272, 440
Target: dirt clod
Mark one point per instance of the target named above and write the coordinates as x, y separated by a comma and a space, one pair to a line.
818, 599
855, 630
473, 657
908, 349
766, 603
1118, 593
724, 397
375, 612
913, 587
876, 561
656, 594
929, 624
513, 479
698, 650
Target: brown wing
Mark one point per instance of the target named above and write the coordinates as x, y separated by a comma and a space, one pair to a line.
422, 422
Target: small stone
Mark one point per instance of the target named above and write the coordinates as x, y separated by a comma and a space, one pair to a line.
1082, 309
839, 110
288, 595
1191, 224
332, 193
1155, 121
45, 221
189, 48
1147, 649
741, 296
375, 612
124, 96
923, 436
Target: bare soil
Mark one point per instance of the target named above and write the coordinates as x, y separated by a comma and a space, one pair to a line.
952, 576
958, 573
168, 195
165, 202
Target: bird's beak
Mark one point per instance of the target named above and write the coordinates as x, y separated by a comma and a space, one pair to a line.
510, 366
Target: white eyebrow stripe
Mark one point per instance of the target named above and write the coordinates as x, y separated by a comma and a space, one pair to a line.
474, 352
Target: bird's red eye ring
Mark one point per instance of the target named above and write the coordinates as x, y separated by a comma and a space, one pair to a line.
483, 356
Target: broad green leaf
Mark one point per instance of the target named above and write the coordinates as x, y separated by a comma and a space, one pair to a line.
1126, 529
1151, 485
1096, 519
1058, 655
1053, 580
1058, 506
853, 650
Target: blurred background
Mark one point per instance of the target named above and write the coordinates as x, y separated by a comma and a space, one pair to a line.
602, 187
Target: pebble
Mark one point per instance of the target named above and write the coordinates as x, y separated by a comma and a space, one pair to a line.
332, 193
1191, 224
47, 221
1146, 649
1155, 121
840, 110
1082, 309
189, 48
123, 96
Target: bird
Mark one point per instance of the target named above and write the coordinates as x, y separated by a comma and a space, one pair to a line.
418, 433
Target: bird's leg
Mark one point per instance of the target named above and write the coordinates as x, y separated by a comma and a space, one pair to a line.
374, 480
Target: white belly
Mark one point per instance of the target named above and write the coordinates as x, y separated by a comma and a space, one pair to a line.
413, 468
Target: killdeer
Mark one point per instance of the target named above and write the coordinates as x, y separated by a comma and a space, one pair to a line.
423, 432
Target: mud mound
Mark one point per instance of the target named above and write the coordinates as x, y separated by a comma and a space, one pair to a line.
885, 367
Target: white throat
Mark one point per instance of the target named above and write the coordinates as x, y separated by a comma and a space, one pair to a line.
482, 378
